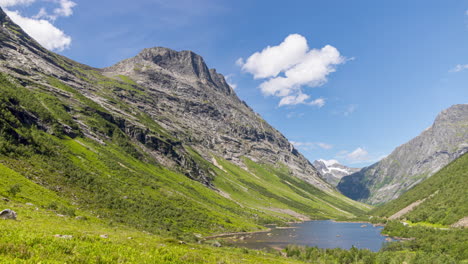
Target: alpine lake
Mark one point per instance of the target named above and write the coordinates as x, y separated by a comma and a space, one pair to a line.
321, 233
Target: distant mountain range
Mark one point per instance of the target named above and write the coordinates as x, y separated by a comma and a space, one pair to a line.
332, 171
412, 162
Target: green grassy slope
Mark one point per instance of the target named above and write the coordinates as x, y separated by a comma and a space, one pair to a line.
61, 182
117, 179
446, 193
42, 236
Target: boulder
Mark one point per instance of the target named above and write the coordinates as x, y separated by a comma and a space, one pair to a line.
216, 244
8, 214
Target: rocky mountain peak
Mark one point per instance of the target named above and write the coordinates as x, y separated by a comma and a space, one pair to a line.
183, 62
196, 104
454, 113
185, 65
332, 171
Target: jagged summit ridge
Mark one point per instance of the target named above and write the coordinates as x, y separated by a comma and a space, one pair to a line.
183, 64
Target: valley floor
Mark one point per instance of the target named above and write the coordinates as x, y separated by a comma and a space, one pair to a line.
44, 236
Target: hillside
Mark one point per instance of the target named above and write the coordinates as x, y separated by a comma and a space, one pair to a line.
412, 162
441, 199
157, 142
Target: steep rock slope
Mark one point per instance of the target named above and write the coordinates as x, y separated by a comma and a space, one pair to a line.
441, 199
332, 171
196, 105
167, 148
412, 162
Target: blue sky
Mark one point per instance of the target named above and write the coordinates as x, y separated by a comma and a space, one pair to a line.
389, 68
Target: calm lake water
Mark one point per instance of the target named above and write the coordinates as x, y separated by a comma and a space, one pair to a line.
323, 234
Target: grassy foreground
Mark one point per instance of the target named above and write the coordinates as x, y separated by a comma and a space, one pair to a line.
42, 236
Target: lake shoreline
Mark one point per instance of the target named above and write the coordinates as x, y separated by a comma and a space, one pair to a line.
269, 229
314, 233
358, 222
225, 235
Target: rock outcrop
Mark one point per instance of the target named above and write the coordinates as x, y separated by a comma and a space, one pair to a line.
412, 162
8, 214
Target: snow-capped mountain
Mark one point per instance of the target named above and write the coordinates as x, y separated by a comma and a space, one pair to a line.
332, 171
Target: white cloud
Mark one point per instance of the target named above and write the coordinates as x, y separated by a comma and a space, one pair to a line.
311, 145
300, 66
65, 9
42, 30
40, 26
240, 62
324, 145
8, 3
299, 98
318, 102
273, 60
42, 14
359, 155
459, 68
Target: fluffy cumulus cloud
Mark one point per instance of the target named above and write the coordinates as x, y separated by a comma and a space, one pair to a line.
291, 66
41, 27
42, 30
273, 60
459, 68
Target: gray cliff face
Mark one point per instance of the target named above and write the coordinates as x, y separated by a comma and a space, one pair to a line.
173, 104
332, 171
412, 162
198, 106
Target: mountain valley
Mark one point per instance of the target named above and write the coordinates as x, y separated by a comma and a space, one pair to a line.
155, 159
